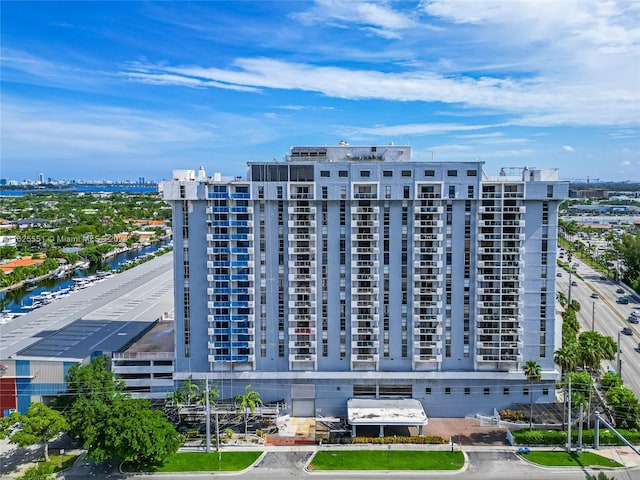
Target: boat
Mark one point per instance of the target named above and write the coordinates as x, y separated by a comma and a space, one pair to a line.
33, 306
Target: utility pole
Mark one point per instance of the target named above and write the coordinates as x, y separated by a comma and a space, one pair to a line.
619, 361
569, 296
569, 419
593, 317
207, 414
217, 433
579, 446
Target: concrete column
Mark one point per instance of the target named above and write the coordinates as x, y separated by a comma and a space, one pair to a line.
353, 431
420, 427
381, 431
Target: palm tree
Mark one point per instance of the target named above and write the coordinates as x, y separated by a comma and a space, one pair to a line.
248, 403
566, 358
533, 372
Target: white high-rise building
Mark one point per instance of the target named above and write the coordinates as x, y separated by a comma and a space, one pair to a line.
352, 272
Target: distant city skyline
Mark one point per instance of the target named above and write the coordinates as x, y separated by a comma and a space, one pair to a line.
121, 90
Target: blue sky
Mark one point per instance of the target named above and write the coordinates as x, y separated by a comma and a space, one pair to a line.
118, 90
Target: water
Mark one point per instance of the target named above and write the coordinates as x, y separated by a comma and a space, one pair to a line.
7, 192
20, 297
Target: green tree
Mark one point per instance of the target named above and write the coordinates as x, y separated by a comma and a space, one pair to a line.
248, 403
625, 407
601, 476
533, 372
39, 424
629, 248
593, 348
188, 393
134, 432
610, 380
111, 425
41, 471
566, 357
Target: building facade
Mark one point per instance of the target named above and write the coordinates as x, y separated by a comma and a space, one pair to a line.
352, 272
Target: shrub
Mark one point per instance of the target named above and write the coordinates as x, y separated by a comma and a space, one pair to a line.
427, 440
557, 437
512, 415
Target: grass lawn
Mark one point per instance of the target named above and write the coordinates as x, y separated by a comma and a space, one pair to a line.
564, 459
60, 462
207, 462
387, 460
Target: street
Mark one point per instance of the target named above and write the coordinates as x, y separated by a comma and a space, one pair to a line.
607, 316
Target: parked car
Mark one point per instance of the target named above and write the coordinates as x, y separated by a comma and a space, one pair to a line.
627, 331
595, 295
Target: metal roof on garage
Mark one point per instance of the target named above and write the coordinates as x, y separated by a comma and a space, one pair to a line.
386, 411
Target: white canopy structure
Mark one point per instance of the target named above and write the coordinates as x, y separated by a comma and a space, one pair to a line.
385, 411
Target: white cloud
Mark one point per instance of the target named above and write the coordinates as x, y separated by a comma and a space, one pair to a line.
397, 131
375, 17
568, 148
538, 101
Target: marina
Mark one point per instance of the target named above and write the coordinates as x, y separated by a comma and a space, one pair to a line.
34, 295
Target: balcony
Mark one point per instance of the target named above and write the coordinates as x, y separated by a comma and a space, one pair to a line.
367, 237
302, 357
295, 210
302, 304
428, 209
428, 358
302, 330
365, 223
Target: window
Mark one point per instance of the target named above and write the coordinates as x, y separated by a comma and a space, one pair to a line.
447, 390
505, 390
429, 173
549, 191
365, 173
487, 390
427, 390
406, 173
525, 391
452, 173
470, 191
260, 192
325, 173
343, 173
545, 391
472, 173
325, 192
452, 191
467, 391
387, 173
407, 191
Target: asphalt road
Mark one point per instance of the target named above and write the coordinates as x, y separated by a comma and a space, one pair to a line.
607, 316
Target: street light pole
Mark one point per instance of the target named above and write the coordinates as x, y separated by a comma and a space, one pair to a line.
569, 299
593, 317
619, 361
